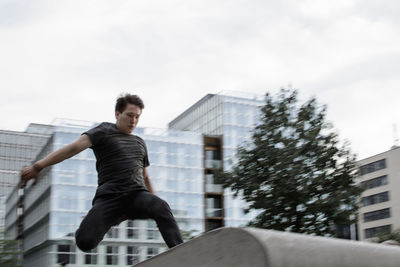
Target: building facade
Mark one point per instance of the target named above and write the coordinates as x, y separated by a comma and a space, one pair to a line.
55, 206
17, 150
231, 116
183, 160
379, 175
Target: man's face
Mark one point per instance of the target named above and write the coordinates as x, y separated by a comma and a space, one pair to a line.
128, 119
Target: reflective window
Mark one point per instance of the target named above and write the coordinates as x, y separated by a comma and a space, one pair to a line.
377, 215
113, 232
152, 234
372, 232
151, 252
112, 255
132, 255
372, 167
91, 257
66, 253
374, 199
375, 182
132, 231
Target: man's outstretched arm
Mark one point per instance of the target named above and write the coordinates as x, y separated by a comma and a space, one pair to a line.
68, 151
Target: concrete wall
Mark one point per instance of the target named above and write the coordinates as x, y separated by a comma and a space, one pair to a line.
249, 247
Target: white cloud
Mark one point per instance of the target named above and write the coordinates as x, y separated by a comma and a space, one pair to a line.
72, 58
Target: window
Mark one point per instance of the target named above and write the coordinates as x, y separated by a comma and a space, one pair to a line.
132, 233
132, 255
91, 257
112, 255
67, 203
376, 182
374, 199
372, 167
131, 230
151, 224
214, 206
377, 215
152, 234
209, 177
213, 154
212, 158
152, 231
66, 253
113, 232
372, 232
151, 252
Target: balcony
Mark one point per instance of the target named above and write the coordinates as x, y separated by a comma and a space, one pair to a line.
213, 164
214, 212
214, 188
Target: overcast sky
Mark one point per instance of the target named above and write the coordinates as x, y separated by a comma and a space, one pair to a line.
71, 59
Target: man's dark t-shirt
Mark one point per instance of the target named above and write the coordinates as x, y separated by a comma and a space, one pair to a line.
120, 159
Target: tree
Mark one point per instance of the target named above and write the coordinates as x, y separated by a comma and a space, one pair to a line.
293, 170
9, 252
394, 236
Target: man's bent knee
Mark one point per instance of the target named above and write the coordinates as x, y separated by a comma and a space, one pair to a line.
85, 242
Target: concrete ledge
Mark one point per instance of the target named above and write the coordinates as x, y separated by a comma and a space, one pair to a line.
245, 247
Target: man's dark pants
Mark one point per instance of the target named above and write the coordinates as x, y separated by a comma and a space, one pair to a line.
109, 211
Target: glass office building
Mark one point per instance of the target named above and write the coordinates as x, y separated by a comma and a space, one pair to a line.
231, 116
16, 151
183, 159
54, 208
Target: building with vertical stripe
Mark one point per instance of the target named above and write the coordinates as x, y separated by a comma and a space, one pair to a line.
379, 210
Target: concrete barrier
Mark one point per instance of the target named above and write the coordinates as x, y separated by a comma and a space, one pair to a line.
251, 247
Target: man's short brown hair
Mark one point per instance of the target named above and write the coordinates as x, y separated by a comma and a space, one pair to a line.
125, 99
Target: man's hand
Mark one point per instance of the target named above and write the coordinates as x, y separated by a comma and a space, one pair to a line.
31, 172
68, 151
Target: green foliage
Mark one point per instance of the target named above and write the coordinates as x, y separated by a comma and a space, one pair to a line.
187, 235
9, 253
293, 170
394, 235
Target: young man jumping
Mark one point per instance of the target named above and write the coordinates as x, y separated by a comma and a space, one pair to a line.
124, 189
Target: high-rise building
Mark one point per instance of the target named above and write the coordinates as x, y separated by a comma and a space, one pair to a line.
54, 207
183, 160
17, 149
226, 119
379, 175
